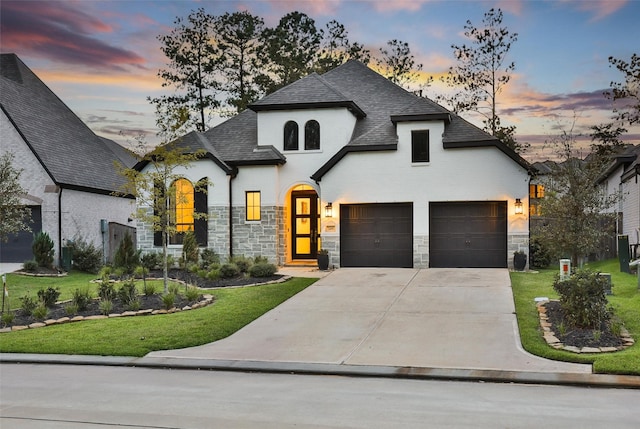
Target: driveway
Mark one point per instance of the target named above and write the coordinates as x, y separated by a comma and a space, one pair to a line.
431, 318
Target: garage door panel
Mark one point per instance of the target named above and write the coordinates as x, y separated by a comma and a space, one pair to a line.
376, 235
469, 234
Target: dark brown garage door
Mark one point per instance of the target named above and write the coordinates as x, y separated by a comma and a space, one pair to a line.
470, 234
376, 235
18, 246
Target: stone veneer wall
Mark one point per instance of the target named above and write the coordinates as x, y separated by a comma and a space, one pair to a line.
256, 238
517, 242
420, 251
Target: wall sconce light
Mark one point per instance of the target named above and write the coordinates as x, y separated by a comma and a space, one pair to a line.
328, 210
519, 207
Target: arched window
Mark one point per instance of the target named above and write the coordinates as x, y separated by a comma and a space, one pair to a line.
182, 209
291, 136
312, 135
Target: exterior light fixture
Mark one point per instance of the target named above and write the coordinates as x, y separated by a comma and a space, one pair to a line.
328, 210
519, 207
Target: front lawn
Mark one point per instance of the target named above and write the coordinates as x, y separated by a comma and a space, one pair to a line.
137, 336
625, 300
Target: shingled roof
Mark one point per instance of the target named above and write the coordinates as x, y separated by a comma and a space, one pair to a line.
73, 155
376, 102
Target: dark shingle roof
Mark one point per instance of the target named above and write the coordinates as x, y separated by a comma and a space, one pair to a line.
376, 102
71, 153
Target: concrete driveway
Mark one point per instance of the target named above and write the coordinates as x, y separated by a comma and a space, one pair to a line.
431, 318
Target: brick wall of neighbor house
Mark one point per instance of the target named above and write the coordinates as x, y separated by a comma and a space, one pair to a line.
256, 238
82, 212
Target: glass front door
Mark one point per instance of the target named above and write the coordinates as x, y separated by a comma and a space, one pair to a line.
305, 221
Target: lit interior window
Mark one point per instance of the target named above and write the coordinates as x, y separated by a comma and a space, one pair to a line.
253, 205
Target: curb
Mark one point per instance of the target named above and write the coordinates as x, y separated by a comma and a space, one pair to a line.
419, 373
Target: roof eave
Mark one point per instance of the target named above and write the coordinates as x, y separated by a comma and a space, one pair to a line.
446, 117
349, 105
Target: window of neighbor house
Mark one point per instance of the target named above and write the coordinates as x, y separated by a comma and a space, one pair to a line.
312, 135
536, 191
420, 146
182, 209
253, 205
291, 136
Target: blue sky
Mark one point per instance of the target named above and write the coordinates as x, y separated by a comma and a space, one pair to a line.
101, 57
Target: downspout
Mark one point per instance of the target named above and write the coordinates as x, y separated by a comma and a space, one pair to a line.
60, 227
231, 177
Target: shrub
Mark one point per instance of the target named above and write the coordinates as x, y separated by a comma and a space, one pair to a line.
243, 263
128, 292
86, 256
228, 271
168, 301
28, 305
192, 293
40, 312
71, 309
213, 274
151, 261
7, 317
149, 289
30, 266
174, 289
105, 273
105, 306
262, 269
106, 290
48, 296
126, 257
81, 298
583, 299
43, 250
208, 258
260, 259
539, 255
190, 251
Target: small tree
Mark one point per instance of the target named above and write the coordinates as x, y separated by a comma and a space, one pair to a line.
576, 213
126, 256
14, 216
43, 250
154, 183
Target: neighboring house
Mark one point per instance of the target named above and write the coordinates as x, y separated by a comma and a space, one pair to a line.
622, 176
352, 163
68, 171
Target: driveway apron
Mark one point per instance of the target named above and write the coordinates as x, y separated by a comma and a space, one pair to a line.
431, 318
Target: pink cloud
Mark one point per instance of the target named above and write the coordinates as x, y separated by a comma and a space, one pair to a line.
599, 8
315, 7
60, 32
392, 5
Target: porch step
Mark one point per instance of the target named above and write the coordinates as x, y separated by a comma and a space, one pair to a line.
303, 263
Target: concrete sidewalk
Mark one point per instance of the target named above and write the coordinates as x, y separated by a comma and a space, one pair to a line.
433, 318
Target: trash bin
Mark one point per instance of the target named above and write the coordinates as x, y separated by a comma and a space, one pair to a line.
623, 253
66, 258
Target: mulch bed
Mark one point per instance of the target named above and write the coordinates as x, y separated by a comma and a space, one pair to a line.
579, 337
193, 279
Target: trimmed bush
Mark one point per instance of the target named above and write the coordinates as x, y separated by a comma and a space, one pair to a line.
28, 304
539, 255
106, 290
228, 271
208, 258
48, 296
81, 298
260, 259
126, 257
30, 266
43, 250
243, 263
583, 299
151, 260
262, 269
86, 257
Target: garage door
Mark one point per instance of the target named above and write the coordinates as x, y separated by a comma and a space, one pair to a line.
376, 235
471, 234
18, 248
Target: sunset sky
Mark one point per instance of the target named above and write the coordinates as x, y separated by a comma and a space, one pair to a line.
102, 57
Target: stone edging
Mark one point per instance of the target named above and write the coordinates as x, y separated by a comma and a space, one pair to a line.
207, 299
553, 341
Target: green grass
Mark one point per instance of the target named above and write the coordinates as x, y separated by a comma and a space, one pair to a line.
625, 300
137, 336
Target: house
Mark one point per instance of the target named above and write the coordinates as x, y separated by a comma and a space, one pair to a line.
622, 176
352, 163
68, 171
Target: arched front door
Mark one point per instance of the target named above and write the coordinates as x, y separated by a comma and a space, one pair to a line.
305, 220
